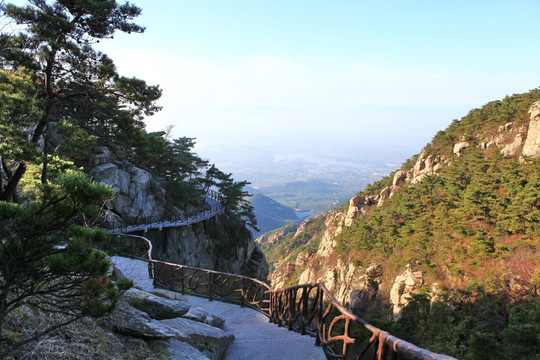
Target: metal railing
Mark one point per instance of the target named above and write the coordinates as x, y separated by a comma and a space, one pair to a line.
148, 223
307, 308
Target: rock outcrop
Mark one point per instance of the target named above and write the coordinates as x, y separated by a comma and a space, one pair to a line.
532, 142
222, 243
404, 286
460, 147
358, 205
188, 333
271, 238
362, 297
138, 196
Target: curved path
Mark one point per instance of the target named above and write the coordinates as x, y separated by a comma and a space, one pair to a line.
216, 208
255, 337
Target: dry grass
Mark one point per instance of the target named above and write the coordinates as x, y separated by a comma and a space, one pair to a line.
85, 339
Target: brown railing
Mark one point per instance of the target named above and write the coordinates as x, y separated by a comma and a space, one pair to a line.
312, 308
308, 308
214, 285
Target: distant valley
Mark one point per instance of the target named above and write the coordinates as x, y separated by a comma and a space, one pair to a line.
315, 181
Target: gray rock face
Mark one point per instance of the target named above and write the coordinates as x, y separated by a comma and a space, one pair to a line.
138, 196
213, 342
222, 244
130, 321
156, 307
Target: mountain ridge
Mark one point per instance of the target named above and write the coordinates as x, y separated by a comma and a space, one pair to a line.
458, 217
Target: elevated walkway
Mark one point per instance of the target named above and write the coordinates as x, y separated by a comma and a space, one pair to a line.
256, 338
216, 208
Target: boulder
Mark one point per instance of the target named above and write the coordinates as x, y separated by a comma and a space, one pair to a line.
130, 321
532, 142
460, 147
354, 204
156, 307
180, 350
399, 178
199, 314
211, 341
512, 149
384, 195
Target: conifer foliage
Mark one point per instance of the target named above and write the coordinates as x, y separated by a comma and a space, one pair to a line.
75, 88
60, 98
48, 262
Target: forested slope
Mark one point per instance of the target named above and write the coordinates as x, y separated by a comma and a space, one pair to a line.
448, 246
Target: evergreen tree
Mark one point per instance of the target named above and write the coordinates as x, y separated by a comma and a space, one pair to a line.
48, 262
74, 84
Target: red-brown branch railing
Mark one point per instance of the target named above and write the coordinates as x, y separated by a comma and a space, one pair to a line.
312, 308
308, 308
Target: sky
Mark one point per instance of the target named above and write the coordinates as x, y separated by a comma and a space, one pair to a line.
381, 73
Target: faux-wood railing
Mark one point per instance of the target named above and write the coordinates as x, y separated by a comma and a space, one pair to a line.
307, 308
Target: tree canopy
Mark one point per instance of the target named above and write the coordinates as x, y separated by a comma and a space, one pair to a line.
48, 260
67, 83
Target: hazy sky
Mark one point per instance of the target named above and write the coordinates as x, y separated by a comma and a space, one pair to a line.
248, 72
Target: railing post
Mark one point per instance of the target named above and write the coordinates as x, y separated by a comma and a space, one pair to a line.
210, 285
182, 279
292, 308
305, 305
151, 269
242, 295
319, 315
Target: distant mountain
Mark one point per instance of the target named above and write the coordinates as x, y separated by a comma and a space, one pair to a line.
314, 195
270, 214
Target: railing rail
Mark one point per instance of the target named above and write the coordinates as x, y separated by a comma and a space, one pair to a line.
215, 285
148, 223
307, 308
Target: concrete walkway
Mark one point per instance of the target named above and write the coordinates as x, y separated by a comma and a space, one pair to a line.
215, 209
255, 337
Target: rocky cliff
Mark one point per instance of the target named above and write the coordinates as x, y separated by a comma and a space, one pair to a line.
357, 277
221, 243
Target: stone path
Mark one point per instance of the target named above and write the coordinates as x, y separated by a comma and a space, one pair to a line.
255, 337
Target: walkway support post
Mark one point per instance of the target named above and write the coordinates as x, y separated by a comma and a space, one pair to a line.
210, 286
182, 280
305, 305
243, 293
